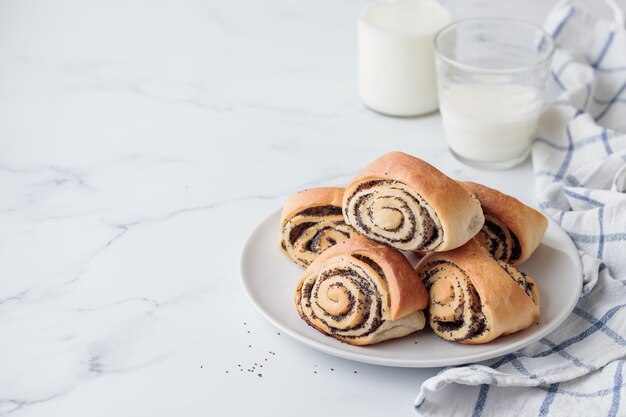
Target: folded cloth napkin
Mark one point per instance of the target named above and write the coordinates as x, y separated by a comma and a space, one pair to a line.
580, 165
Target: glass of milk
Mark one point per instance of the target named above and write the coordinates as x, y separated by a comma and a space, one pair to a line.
396, 61
491, 76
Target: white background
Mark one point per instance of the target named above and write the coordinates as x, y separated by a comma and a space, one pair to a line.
140, 144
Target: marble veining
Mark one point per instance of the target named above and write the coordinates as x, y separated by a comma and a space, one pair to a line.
140, 144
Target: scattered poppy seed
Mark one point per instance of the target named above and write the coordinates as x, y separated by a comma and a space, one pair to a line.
260, 375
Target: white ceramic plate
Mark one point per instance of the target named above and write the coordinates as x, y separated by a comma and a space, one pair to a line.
269, 279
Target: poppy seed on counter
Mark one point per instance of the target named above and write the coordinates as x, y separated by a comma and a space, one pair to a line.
260, 375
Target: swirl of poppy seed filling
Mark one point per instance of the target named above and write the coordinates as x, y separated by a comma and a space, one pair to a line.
359, 293
499, 240
523, 280
456, 314
390, 212
313, 230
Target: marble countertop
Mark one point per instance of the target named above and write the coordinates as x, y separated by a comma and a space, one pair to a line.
140, 144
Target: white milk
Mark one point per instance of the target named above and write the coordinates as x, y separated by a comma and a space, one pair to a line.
396, 62
489, 123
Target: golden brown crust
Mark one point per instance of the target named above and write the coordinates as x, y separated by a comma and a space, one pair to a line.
304, 234
406, 291
312, 197
379, 307
404, 326
505, 304
458, 211
528, 224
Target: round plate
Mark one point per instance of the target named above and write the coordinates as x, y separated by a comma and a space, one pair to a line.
270, 278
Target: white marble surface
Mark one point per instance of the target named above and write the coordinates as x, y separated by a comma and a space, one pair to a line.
140, 144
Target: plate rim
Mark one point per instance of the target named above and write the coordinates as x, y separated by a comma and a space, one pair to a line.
410, 363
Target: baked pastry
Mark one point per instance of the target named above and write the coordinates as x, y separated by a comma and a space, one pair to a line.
311, 222
512, 230
361, 292
475, 298
407, 203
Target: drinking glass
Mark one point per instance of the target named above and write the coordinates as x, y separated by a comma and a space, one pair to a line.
491, 77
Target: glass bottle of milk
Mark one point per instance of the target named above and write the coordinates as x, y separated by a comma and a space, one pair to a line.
396, 62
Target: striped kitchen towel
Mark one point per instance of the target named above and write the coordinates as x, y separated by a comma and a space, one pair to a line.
579, 160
